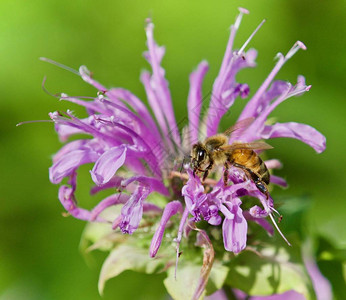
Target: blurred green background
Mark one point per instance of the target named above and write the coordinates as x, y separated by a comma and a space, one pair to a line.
39, 248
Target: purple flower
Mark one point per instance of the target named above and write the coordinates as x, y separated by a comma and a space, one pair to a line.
136, 152
239, 295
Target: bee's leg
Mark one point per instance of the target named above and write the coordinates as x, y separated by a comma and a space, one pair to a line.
256, 179
195, 171
225, 174
206, 171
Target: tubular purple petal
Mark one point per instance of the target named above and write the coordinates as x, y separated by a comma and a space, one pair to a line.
234, 230
159, 83
150, 207
133, 209
179, 237
225, 91
194, 195
171, 209
85, 73
74, 145
228, 54
107, 202
194, 103
72, 181
276, 89
134, 122
87, 126
140, 148
225, 88
289, 295
156, 107
218, 295
90, 105
258, 212
66, 164
321, 285
251, 107
255, 130
142, 111
67, 199
141, 163
273, 164
302, 132
278, 180
117, 222
135, 103
107, 164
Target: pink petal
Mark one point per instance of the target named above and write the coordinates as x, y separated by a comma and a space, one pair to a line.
289, 295
273, 164
252, 106
171, 209
74, 145
278, 180
66, 197
321, 285
303, 132
159, 84
107, 202
85, 73
69, 162
225, 88
235, 231
155, 104
136, 104
133, 209
194, 103
108, 163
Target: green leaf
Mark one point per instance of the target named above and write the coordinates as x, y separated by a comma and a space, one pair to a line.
95, 234
101, 236
184, 285
128, 257
272, 271
217, 277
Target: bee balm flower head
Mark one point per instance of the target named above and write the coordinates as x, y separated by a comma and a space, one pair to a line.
136, 151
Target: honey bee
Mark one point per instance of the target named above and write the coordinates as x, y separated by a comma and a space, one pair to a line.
216, 151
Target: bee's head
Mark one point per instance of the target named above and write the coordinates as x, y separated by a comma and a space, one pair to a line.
198, 156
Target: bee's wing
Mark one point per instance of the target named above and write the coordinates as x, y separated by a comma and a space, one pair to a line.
239, 126
259, 145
